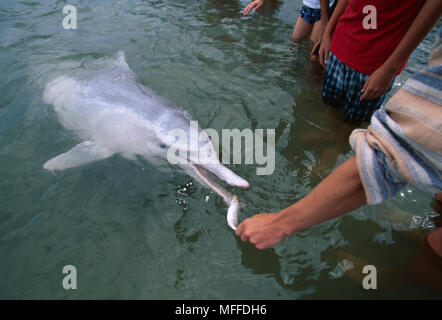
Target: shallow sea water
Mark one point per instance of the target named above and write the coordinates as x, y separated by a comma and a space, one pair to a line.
136, 232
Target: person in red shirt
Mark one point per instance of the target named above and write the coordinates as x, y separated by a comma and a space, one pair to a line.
365, 45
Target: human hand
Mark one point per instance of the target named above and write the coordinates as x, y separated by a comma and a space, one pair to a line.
324, 48
254, 4
377, 84
314, 54
263, 230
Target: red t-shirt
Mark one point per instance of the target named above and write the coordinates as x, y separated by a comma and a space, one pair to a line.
366, 50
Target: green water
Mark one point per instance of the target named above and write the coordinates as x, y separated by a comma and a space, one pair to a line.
135, 232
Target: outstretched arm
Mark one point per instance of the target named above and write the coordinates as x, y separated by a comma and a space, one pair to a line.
325, 11
338, 194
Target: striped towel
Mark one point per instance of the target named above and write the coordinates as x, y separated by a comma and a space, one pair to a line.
403, 144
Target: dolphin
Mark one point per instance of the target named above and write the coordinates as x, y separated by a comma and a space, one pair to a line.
114, 114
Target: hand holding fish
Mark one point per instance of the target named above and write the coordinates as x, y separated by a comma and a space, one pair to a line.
263, 230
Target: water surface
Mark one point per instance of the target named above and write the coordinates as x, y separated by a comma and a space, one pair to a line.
136, 232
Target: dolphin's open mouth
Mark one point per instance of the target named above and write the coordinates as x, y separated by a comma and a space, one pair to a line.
205, 177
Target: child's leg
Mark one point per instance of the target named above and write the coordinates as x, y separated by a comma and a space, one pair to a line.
426, 266
434, 238
301, 30
304, 24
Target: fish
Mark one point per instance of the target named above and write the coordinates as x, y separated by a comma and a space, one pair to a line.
233, 213
112, 113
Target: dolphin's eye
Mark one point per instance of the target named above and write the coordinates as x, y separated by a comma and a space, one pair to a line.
162, 146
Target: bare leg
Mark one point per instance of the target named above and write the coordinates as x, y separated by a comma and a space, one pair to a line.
302, 30
434, 238
426, 267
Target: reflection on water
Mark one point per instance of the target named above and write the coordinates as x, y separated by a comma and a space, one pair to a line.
134, 230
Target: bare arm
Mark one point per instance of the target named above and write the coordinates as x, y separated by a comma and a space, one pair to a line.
339, 10
325, 16
325, 12
329, 30
338, 194
379, 82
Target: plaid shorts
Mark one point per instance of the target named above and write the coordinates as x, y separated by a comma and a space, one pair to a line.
342, 88
310, 15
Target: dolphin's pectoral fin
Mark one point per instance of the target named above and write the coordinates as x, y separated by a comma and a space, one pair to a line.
82, 153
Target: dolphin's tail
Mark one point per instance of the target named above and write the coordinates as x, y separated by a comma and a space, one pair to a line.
121, 60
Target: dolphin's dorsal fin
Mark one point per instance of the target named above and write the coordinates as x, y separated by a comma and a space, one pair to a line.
121, 61
123, 70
